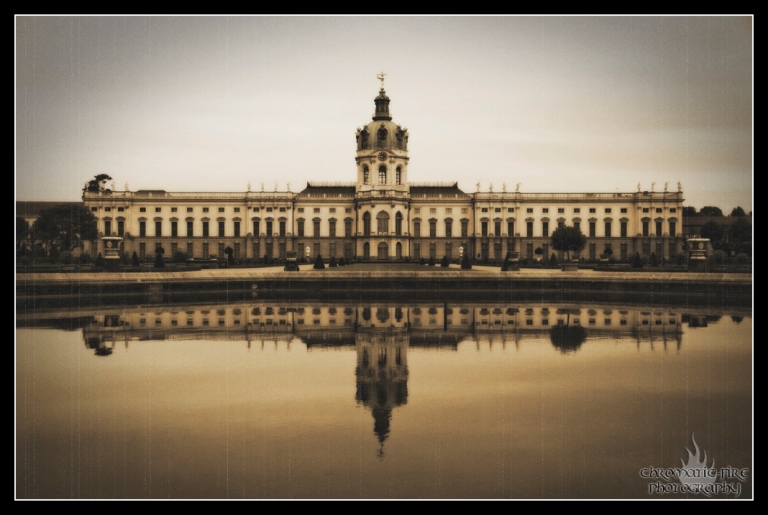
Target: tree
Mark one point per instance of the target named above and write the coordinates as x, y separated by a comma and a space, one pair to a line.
22, 231
741, 236
738, 211
713, 231
159, 261
64, 227
135, 259
568, 239
689, 211
710, 211
465, 264
97, 183
636, 261
230, 256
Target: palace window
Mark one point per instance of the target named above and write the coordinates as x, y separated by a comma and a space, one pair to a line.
417, 229
367, 224
174, 229
484, 228
545, 229
672, 229
205, 229
158, 228
121, 227
332, 228
348, 228
366, 175
433, 228
607, 229
529, 229
623, 229
190, 230
464, 228
510, 228
237, 229
448, 228
107, 227
382, 223
316, 228
399, 224
658, 228
221, 228
646, 227
398, 176
256, 229
592, 229
497, 228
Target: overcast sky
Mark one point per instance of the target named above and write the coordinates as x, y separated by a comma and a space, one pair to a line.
557, 104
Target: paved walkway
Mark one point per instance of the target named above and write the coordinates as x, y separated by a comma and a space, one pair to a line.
454, 271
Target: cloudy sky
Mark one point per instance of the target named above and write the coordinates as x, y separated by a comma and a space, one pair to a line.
557, 104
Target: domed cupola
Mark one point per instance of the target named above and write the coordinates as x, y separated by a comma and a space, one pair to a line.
382, 132
382, 149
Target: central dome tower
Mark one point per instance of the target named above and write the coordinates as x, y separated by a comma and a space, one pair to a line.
382, 150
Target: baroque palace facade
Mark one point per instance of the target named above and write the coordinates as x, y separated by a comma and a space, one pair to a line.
382, 216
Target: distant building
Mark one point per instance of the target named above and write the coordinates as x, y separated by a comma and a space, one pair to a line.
383, 216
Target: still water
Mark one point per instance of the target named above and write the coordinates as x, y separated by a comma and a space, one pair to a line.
444, 400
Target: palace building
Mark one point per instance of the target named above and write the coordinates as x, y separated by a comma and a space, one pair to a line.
382, 216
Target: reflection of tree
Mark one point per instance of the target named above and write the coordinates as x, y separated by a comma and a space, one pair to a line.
566, 338
736, 319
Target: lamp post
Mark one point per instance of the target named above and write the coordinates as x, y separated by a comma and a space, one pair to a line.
307, 252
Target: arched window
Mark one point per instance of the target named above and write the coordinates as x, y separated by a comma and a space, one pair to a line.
367, 224
382, 174
383, 251
399, 224
366, 174
382, 223
399, 250
398, 175
366, 250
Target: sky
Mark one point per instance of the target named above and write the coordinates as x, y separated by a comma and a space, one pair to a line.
556, 104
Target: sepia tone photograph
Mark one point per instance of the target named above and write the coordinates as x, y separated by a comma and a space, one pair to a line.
384, 257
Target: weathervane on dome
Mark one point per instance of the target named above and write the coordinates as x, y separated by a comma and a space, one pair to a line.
380, 76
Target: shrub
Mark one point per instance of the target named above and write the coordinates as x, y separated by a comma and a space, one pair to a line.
444, 262
319, 264
465, 264
431, 261
612, 260
636, 261
100, 261
179, 257
422, 262
680, 259
718, 257
553, 260
135, 259
742, 259
333, 264
654, 259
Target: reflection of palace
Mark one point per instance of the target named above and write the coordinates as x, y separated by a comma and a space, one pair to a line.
383, 216
343, 325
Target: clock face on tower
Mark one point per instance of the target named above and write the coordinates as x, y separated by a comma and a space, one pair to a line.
382, 156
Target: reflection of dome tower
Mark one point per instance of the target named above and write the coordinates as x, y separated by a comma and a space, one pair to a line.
382, 375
